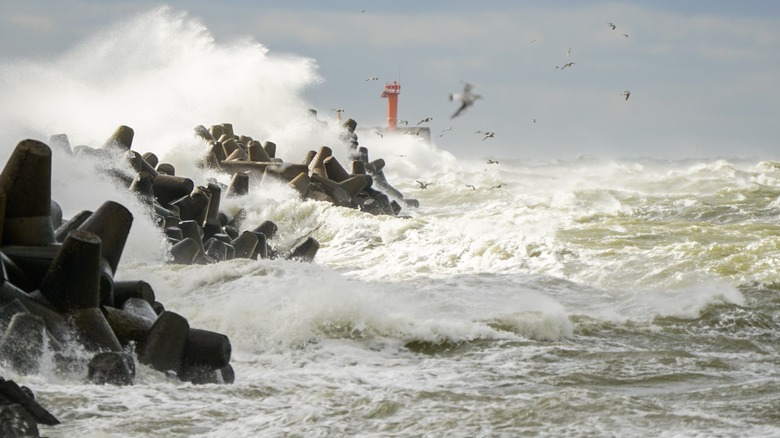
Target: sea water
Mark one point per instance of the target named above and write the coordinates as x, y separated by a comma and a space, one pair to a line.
582, 297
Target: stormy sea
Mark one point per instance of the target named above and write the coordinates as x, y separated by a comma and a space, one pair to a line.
577, 297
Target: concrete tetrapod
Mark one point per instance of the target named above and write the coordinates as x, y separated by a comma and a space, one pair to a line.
23, 342
121, 139
73, 278
63, 297
26, 182
111, 222
165, 343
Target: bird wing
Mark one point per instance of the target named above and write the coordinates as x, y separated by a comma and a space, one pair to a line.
462, 108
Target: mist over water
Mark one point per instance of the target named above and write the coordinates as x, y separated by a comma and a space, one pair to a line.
162, 73
583, 297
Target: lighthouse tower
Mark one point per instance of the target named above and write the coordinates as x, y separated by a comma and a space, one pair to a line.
392, 90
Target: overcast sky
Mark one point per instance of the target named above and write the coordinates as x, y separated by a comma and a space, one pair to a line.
703, 74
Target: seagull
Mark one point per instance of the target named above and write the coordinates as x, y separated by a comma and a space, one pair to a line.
338, 110
532, 41
568, 52
379, 134
445, 130
492, 162
472, 187
404, 122
625, 35
423, 185
467, 98
488, 135
372, 78
496, 187
534, 120
425, 120
626, 93
568, 64
611, 25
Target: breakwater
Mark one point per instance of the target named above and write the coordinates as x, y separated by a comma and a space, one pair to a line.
60, 301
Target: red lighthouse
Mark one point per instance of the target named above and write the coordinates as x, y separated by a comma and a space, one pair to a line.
392, 90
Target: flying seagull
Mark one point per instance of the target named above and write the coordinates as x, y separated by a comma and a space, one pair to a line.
404, 122
611, 25
472, 187
497, 186
626, 94
568, 64
449, 128
568, 52
425, 120
467, 98
492, 162
372, 78
423, 185
338, 110
488, 135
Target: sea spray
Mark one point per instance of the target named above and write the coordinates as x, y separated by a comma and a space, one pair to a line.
80, 183
520, 309
167, 60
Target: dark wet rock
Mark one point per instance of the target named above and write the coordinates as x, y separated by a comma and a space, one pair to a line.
11, 393
113, 368
165, 343
305, 251
58, 289
123, 290
121, 138
15, 421
23, 343
64, 281
7, 311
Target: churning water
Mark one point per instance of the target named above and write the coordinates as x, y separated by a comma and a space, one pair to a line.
559, 298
